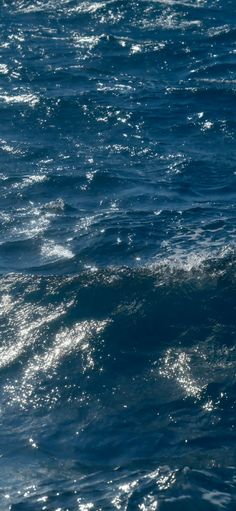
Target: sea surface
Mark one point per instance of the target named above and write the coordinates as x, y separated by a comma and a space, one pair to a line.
117, 255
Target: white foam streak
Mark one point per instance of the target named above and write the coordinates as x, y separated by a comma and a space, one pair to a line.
29, 99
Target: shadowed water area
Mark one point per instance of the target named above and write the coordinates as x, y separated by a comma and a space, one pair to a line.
117, 255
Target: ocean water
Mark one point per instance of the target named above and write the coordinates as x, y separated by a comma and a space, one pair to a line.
117, 255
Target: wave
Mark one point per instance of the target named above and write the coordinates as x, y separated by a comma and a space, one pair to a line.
117, 323
171, 311
126, 377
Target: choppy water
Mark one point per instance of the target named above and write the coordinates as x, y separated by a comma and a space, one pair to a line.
117, 255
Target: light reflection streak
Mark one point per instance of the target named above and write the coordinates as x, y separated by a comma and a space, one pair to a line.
177, 365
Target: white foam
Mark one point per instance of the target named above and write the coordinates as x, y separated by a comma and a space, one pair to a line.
53, 251
30, 99
4, 69
85, 42
88, 7
30, 180
180, 259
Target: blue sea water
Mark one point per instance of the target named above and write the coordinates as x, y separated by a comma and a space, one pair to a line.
117, 255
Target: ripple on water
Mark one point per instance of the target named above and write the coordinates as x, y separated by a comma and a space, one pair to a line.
117, 215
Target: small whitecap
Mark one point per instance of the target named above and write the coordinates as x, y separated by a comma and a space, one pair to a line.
86, 42
4, 69
88, 506
30, 99
116, 87
180, 260
90, 176
51, 250
207, 125
9, 148
31, 180
87, 7
136, 48
55, 206
5, 218
3, 177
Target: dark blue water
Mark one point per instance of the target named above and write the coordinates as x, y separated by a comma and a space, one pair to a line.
117, 255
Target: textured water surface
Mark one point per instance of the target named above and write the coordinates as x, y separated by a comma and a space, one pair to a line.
117, 255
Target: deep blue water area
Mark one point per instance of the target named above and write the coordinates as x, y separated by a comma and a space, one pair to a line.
117, 255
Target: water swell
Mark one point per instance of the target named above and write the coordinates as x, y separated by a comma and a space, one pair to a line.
115, 362
117, 255
142, 310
